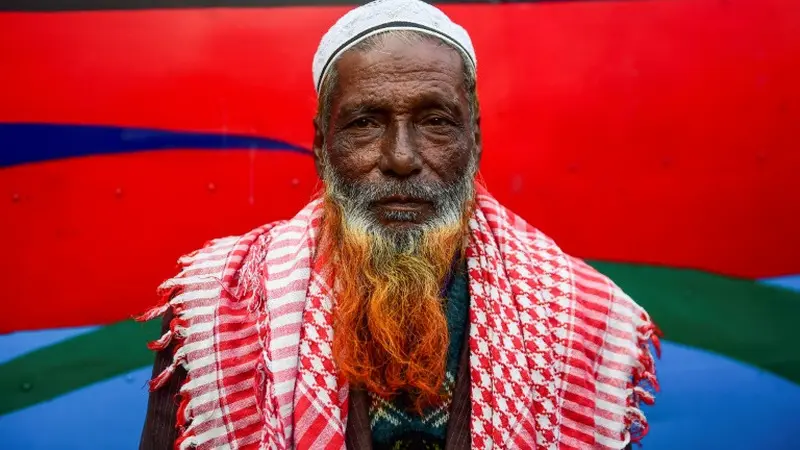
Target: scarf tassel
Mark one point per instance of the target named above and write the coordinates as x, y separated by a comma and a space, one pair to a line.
186, 441
165, 340
178, 330
184, 413
167, 293
251, 277
274, 437
183, 418
644, 382
161, 379
152, 313
638, 425
162, 342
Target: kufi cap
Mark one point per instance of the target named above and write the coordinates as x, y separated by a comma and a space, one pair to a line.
384, 15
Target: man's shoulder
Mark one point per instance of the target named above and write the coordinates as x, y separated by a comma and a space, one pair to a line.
601, 306
218, 249
597, 290
219, 254
235, 260
591, 289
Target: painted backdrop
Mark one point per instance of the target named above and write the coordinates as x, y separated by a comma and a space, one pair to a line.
133, 131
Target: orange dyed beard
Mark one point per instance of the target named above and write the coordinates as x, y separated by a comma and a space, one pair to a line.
390, 330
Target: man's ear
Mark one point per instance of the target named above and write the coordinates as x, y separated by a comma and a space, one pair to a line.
478, 138
318, 147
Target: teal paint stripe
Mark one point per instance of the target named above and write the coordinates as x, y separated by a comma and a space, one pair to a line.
107, 415
68, 365
743, 319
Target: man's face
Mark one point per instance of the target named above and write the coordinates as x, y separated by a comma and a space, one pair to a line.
398, 159
400, 149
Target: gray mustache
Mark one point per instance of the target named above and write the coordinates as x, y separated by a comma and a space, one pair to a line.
413, 190
366, 194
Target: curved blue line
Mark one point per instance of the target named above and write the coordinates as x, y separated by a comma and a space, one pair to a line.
34, 142
18, 343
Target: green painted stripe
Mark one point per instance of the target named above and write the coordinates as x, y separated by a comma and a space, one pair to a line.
74, 363
737, 318
742, 319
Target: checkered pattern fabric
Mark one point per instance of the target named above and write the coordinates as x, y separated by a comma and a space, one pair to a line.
559, 355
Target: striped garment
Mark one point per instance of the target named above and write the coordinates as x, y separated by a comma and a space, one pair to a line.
559, 356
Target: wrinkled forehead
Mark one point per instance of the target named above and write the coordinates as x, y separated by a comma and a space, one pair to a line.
399, 69
399, 55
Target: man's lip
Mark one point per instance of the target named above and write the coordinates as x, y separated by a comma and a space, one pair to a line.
401, 202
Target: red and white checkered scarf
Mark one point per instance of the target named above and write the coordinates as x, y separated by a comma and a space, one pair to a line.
558, 353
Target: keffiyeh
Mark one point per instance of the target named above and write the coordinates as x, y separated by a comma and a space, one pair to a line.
559, 356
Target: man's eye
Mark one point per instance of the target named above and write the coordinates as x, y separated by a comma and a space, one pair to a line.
362, 123
437, 121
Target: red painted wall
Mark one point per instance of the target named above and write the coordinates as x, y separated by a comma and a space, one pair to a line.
657, 131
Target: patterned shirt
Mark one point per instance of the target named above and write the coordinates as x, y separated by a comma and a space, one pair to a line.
394, 425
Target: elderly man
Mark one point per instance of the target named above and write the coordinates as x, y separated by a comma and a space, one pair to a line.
404, 307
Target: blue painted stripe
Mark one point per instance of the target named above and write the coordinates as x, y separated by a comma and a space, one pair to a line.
21, 342
709, 401
33, 142
704, 397
102, 416
791, 282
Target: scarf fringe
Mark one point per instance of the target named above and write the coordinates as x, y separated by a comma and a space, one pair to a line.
644, 383
270, 410
274, 434
251, 284
250, 278
178, 359
161, 343
153, 313
185, 441
169, 292
186, 436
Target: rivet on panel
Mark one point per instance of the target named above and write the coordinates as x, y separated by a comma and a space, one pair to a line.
15, 198
516, 183
212, 187
26, 386
118, 192
295, 182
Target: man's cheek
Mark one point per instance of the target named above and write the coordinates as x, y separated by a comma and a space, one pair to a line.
450, 165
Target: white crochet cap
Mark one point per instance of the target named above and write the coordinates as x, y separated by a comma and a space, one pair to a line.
383, 15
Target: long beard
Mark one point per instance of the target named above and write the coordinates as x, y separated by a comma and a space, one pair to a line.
390, 331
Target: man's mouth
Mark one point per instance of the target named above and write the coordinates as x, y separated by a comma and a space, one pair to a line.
403, 203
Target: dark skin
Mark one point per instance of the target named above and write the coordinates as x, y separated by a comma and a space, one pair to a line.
400, 113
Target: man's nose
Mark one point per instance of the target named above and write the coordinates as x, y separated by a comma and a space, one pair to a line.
400, 156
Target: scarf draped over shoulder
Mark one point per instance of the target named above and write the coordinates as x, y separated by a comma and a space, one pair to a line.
559, 356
